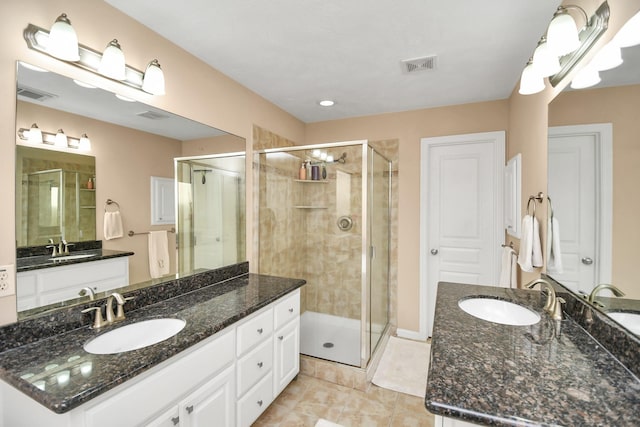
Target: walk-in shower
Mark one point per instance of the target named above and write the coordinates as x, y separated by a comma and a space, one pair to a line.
333, 231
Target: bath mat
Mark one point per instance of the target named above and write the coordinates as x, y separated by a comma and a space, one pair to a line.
324, 423
403, 367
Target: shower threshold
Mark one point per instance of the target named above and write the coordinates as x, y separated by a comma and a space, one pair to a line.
330, 337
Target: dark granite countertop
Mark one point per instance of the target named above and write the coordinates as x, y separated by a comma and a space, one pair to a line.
206, 310
46, 261
549, 374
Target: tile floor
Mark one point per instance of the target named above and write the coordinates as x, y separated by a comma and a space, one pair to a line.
307, 399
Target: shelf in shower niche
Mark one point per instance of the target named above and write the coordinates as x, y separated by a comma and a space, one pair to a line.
310, 207
312, 181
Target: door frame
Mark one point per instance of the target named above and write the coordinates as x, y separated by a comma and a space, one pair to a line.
498, 140
603, 135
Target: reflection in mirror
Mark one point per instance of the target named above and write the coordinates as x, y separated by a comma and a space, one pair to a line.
593, 157
130, 143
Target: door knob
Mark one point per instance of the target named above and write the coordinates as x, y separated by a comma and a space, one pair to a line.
434, 252
587, 261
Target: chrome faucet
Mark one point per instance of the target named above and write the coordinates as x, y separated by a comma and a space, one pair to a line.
99, 321
53, 246
64, 247
592, 296
553, 305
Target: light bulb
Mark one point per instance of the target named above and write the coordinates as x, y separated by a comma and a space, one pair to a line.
63, 41
112, 64
153, 80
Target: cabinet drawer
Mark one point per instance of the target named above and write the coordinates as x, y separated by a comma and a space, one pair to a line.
254, 331
255, 401
254, 366
287, 309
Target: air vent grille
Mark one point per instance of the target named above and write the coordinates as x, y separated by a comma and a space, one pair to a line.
34, 94
152, 115
425, 63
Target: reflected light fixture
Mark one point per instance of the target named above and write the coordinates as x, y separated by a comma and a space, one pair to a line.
63, 41
59, 139
531, 81
153, 79
112, 63
562, 33
629, 34
545, 61
610, 56
83, 84
586, 77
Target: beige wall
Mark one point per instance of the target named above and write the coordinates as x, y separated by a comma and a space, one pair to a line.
194, 89
409, 127
619, 106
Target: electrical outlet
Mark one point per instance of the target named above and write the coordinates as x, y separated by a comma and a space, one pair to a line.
7, 280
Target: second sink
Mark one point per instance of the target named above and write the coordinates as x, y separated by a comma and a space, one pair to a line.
499, 311
134, 336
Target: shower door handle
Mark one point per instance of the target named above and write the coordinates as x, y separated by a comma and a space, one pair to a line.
372, 252
434, 251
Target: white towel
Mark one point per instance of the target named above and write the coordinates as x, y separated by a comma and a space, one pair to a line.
113, 225
158, 254
530, 250
554, 261
508, 271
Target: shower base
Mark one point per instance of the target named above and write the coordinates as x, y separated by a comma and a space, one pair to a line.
330, 337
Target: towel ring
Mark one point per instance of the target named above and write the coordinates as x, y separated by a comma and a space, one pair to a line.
531, 199
111, 202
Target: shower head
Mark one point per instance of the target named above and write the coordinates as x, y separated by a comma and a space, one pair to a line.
341, 159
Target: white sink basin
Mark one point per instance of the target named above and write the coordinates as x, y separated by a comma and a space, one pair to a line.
134, 336
70, 257
631, 321
499, 311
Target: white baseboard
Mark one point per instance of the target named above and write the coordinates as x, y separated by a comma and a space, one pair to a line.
411, 335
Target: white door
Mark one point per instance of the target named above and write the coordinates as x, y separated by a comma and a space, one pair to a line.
462, 212
575, 179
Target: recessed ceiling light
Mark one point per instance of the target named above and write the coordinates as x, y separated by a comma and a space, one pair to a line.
83, 84
33, 67
124, 98
327, 103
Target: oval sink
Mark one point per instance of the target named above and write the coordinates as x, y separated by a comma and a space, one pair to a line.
71, 257
499, 311
629, 320
134, 336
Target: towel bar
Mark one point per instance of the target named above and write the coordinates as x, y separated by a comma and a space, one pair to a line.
133, 233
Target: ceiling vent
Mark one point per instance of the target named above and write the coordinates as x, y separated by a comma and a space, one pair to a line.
34, 94
425, 63
152, 115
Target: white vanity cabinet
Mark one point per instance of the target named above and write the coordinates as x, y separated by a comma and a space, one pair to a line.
441, 421
227, 380
62, 282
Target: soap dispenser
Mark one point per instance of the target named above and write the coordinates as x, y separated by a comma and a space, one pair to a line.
302, 173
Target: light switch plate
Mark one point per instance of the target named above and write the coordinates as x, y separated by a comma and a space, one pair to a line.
7, 280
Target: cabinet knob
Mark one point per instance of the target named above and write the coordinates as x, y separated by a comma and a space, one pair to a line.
281, 337
260, 364
260, 330
175, 420
189, 409
259, 402
291, 310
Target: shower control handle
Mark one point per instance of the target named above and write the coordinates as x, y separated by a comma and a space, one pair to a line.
434, 251
291, 310
260, 330
281, 337
587, 261
260, 364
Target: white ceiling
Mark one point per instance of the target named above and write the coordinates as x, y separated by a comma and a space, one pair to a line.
298, 52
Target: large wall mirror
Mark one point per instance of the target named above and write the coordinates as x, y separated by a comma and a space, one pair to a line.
132, 145
593, 175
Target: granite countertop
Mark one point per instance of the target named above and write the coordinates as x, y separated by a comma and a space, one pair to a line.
206, 311
46, 261
552, 373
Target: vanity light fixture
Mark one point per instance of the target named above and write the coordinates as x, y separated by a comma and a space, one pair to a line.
586, 77
59, 139
610, 56
531, 80
545, 61
110, 63
562, 33
629, 34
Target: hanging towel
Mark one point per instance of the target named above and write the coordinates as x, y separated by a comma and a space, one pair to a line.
554, 263
508, 271
158, 254
530, 250
113, 225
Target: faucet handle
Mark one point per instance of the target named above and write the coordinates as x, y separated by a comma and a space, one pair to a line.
120, 310
557, 309
98, 321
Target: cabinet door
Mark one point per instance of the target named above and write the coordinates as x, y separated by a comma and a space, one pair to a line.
213, 404
171, 418
286, 355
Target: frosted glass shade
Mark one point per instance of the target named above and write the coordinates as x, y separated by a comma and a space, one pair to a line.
610, 56
85, 143
63, 40
562, 34
153, 80
35, 134
629, 34
112, 64
586, 77
61, 139
545, 61
531, 81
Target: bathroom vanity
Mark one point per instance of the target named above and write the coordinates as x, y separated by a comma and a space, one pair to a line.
547, 373
237, 352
